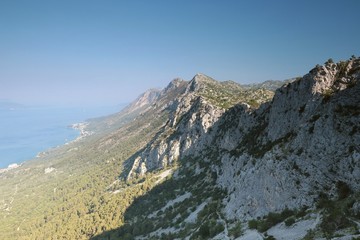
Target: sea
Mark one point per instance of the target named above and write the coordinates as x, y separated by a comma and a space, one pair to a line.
26, 131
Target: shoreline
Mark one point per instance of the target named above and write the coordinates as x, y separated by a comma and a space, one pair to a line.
10, 167
72, 119
83, 133
81, 127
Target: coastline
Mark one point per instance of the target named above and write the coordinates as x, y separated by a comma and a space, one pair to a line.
81, 127
33, 134
83, 133
10, 167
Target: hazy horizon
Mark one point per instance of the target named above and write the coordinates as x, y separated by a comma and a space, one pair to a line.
106, 53
9, 104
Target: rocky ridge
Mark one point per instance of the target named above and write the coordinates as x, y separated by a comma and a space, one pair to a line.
192, 113
284, 154
203, 159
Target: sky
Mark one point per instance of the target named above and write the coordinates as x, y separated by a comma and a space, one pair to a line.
92, 52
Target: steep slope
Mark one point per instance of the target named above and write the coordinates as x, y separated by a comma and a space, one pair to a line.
203, 159
192, 114
67, 191
306, 142
107, 124
75, 192
294, 158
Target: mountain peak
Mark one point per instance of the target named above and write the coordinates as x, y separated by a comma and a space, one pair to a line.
334, 77
146, 98
199, 81
174, 84
200, 77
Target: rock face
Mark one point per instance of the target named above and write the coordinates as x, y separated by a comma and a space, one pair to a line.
190, 119
303, 142
199, 158
281, 154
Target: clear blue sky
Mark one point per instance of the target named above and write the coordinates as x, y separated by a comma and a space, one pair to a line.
108, 52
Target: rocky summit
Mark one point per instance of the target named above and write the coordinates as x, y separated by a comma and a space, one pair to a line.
204, 159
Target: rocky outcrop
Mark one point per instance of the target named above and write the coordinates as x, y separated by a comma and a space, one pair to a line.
190, 118
305, 142
281, 154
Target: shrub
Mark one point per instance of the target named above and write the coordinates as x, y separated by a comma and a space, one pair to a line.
269, 237
315, 117
327, 95
299, 151
323, 201
253, 224
330, 60
204, 231
302, 109
335, 212
311, 129
310, 235
289, 221
270, 220
236, 231
264, 225
286, 213
302, 212
342, 65
343, 190
333, 221
218, 228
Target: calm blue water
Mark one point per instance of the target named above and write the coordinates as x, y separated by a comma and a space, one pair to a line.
24, 132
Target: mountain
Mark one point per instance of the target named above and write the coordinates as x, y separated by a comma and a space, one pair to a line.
203, 159
271, 85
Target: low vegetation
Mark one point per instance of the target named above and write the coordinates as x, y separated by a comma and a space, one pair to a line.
227, 94
337, 214
270, 220
197, 216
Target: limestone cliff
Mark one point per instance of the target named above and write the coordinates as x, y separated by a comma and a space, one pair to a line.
229, 159
281, 154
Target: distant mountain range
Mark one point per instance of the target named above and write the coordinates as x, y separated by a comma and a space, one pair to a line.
269, 84
203, 159
8, 105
